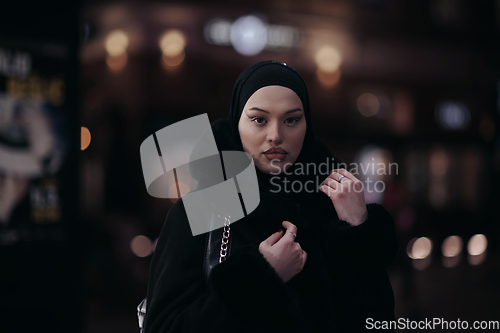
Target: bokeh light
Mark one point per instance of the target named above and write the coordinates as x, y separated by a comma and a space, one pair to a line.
477, 244
402, 115
170, 62
471, 163
282, 36
368, 104
452, 246
218, 31
439, 163
116, 43
375, 168
172, 44
452, 115
421, 248
409, 248
328, 79
328, 59
141, 246
249, 35
85, 138
116, 63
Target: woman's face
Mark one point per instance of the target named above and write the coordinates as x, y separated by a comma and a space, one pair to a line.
272, 128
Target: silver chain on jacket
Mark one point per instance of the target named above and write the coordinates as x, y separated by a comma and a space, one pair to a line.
225, 239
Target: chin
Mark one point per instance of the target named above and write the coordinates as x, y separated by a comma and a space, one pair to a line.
276, 170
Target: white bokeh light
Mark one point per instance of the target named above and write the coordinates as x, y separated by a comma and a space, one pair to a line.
452, 115
328, 59
477, 244
452, 246
218, 31
116, 43
421, 248
249, 35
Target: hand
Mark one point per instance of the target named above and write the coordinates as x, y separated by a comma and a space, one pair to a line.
283, 253
347, 196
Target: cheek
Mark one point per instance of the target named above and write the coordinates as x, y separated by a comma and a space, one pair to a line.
249, 139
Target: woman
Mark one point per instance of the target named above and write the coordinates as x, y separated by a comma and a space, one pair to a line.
324, 273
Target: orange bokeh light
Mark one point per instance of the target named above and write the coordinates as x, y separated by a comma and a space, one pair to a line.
85, 138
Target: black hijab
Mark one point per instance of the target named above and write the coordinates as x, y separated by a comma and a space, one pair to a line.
267, 73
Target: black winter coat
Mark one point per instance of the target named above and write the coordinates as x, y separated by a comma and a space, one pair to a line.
343, 282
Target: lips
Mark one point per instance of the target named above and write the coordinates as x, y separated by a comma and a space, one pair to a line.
275, 153
275, 150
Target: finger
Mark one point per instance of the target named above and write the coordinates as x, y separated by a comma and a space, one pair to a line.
304, 258
271, 240
347, 174
332, 183
327, 190
351, 180
330, 187
289, 226
289, 237
335, 176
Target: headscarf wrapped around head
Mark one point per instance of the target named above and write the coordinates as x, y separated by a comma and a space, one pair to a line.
268, 73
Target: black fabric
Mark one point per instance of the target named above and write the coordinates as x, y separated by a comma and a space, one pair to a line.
343, 282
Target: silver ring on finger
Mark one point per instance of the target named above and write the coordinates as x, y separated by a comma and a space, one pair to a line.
294, 234
340, 178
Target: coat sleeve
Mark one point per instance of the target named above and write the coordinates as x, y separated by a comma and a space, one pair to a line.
369, 246
357, 260
242, 292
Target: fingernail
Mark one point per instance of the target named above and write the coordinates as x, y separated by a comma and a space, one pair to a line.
279, 231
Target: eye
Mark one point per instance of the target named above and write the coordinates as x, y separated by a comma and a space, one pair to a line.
292, 121
258, 120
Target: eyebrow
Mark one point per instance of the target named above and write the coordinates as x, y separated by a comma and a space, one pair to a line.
290, 111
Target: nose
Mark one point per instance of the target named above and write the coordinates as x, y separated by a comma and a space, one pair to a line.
274, 134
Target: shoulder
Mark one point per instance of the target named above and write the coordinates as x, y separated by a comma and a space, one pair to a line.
176, 216
177, 208
176, 230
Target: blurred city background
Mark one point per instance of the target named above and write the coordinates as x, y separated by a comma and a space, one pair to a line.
414, 83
